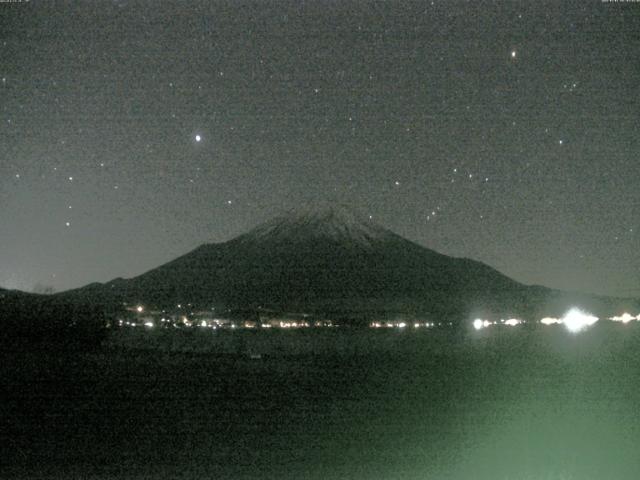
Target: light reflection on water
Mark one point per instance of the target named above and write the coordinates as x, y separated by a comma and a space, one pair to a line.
502, 403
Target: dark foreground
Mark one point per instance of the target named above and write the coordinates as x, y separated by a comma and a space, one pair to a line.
510, 404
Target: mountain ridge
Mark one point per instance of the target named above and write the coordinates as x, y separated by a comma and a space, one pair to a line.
331, 261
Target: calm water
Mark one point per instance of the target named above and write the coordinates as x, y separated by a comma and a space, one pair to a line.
501, 404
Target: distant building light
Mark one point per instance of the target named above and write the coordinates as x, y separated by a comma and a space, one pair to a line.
550, 321
624, 318
576, 320
479, 323
139, 309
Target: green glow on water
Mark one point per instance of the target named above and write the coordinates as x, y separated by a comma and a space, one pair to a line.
509, 403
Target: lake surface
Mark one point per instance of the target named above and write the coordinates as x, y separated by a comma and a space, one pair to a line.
507, 403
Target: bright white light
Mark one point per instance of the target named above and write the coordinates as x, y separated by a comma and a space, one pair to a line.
624, 318
198, 138
512, 322
478, 323
550, 321
149, 324
139, 309
402, 325
577, 320
203, 323
513, 54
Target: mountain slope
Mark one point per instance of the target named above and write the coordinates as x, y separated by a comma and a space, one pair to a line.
329, 261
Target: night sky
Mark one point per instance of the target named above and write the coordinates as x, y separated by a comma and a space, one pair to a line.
133, 131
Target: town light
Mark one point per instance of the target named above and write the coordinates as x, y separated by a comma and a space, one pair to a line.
576, 320
550, 321
624, 318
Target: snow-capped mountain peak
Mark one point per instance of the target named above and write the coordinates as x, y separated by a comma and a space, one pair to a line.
333, 222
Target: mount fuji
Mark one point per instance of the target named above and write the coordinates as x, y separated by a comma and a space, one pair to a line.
333, 262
